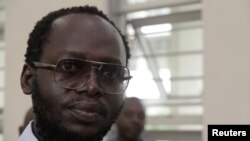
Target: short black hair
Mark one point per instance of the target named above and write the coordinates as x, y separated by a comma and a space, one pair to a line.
42, 28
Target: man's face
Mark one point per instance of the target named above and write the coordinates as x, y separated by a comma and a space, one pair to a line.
131, 120
86, 111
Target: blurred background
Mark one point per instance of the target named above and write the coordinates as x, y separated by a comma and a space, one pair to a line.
190, 61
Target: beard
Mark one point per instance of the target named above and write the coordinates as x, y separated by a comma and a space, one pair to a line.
49, 130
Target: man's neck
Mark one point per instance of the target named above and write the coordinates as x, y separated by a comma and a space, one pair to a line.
35, 131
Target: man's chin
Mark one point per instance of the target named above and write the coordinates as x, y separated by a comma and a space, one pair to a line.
84, 128
71, 132
85, 131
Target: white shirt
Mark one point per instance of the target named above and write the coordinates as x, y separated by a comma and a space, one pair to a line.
28, 134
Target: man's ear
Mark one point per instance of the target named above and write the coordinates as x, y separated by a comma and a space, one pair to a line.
27, 77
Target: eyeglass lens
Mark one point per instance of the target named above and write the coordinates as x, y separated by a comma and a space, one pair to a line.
74, 73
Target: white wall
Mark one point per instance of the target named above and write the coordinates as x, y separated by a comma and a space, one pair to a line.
227, 62
21, 17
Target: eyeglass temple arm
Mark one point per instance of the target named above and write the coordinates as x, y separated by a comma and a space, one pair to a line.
128, 78
44, 65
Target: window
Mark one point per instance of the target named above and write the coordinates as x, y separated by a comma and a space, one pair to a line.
166, 61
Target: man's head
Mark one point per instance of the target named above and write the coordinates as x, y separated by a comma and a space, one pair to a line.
131, 120
76, 72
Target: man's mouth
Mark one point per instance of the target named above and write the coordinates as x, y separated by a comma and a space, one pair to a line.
86, 112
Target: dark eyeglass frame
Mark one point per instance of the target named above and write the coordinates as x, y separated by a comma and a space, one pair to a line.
94, 64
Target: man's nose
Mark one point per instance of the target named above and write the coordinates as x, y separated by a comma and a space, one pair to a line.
90, 87
137, 120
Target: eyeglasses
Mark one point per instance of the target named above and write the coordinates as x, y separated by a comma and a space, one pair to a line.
74, 73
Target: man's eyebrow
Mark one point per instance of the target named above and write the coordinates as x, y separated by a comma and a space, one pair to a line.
111, 60
73, 54
78, 55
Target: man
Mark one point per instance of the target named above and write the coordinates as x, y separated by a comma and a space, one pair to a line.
76, 72
131, 121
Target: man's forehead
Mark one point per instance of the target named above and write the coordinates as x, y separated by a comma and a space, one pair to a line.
132, 104
79, 19
78, 31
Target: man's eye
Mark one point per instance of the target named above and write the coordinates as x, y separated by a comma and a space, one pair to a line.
127, 114
111, 74
69, 67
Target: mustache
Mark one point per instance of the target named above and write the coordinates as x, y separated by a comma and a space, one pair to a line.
82, 103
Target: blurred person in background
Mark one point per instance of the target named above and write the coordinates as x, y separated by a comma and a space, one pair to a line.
131, 121
29, 116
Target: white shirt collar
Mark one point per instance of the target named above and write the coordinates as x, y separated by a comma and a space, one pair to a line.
28, 134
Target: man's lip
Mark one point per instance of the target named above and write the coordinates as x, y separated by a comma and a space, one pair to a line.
84, 116
135, 129
86, 112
